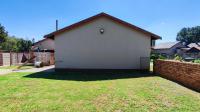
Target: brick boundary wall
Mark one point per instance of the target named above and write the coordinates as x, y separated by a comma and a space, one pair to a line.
184, 73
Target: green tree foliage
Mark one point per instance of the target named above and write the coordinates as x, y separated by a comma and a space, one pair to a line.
10, 44
189, 35
3, 34
13, 43
24, 45
16, 44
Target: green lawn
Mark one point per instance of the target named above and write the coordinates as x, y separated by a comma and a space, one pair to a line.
87, 92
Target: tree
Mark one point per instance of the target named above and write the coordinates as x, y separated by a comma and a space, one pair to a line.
16, 44
189, 35
24, 45
3, 34
10, 44
13, 43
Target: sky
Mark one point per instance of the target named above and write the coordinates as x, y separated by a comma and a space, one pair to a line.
35, 18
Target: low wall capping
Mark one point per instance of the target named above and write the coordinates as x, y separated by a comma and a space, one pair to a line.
182, 62
185, 73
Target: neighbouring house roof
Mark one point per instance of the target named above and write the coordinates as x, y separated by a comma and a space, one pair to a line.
194, 45
190, 50
40, 41
185, 49
83, 22
193, 50
166, 45
36, 44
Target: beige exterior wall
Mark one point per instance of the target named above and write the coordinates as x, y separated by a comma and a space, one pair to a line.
118, 48
46, 44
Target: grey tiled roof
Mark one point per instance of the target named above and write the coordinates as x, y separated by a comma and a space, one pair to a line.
194, 45
166, 45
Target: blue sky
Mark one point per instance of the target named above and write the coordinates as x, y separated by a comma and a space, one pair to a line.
35, 18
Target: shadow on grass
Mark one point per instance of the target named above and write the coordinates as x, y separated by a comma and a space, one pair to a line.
90, 76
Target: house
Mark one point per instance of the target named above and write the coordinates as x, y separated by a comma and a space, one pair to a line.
102, 42
168, 49
43, 51
191, 51
195, 45
46, 45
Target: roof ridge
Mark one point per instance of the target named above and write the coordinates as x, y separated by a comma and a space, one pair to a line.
102, 14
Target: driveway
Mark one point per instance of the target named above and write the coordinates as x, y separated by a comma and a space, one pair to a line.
34, 70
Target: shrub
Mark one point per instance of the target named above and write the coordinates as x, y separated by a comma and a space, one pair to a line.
197, 61
162, 57
178, 58
157, 56
154, 56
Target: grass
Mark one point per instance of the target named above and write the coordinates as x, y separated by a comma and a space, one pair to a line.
91, 92
16, 67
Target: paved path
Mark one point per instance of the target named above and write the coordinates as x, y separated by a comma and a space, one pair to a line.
5, 71
43, 69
